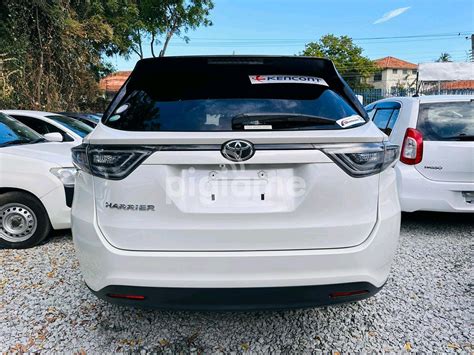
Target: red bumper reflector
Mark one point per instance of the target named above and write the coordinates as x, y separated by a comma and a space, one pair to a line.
127, 297
347, 293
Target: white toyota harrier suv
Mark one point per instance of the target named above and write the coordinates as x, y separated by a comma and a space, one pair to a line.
436, 136
235, 183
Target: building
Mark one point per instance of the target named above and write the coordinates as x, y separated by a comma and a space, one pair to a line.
394, 74
113, 82
458, 85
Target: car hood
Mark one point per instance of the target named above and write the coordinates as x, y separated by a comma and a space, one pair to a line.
56, 153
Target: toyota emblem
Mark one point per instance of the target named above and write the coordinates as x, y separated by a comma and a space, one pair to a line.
237, 150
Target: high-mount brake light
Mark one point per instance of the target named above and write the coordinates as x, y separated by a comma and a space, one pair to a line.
412, 148
361, 160
109, 162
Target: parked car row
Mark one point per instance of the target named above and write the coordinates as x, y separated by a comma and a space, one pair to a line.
36, 184
68, 129
315, 216
37, 175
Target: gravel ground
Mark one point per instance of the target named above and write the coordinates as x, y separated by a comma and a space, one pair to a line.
426, 306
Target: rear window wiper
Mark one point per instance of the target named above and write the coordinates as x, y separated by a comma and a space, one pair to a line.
461, 137
280, 120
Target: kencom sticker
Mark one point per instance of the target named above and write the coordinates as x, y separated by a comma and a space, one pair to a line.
286, 79
350, 121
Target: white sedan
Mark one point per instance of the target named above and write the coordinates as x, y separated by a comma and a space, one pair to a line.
436, 136
70, 129
36, 185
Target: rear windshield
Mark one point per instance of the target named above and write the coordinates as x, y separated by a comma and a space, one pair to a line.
214, 103
447, 121
78, 127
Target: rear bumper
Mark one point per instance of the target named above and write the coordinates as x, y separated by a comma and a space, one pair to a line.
418, 193
104, 265
229, 299
188, 276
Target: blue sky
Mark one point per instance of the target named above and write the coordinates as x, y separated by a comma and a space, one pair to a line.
284, 26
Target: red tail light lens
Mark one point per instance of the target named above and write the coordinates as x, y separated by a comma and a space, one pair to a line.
412, 148
348, 293
127, 297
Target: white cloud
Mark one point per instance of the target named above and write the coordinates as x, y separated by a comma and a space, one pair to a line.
391, 14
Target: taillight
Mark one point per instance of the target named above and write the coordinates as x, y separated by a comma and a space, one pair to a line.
361, 160
109, 162
412, 148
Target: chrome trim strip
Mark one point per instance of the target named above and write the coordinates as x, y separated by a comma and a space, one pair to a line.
218, 147
211, 147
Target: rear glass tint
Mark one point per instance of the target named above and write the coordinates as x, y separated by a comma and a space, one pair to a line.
207, 97
446, 121
139, 111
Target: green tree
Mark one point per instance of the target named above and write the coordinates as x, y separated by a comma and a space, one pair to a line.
50, 54
353, 66
444, 57
153, 22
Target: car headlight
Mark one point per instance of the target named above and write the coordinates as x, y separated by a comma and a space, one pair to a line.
66, 175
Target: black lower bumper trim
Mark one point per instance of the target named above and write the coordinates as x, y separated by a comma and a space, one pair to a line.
228, 299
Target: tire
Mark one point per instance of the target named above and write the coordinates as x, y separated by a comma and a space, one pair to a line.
24, 221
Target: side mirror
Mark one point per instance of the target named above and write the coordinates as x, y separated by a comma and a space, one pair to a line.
53, 137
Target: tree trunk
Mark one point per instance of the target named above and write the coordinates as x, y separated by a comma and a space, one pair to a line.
152, 44
167, 40
140, 44
41, 63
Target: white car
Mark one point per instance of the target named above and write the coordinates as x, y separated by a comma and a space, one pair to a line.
235, 182
436, 136
72, 131
36, 185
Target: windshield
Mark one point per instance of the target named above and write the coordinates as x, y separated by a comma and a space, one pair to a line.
142, 111
78, 127
447, 121
13, 132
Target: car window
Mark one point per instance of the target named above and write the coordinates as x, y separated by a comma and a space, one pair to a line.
144, 113
391, 123
382, 117
90, 122
43, 127
35, 124
207, 96
446, 121
78, 127
13, 131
